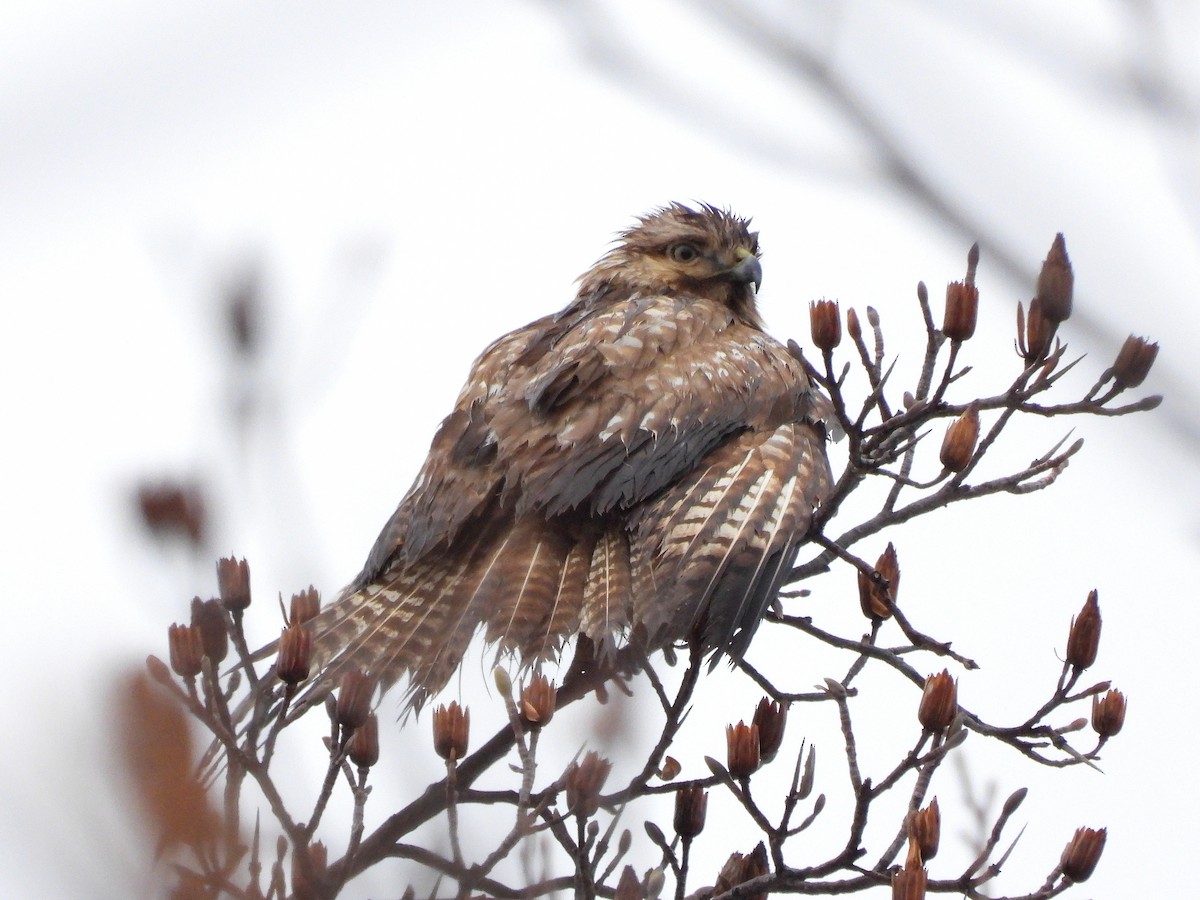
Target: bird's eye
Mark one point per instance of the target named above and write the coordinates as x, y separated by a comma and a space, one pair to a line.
683, 253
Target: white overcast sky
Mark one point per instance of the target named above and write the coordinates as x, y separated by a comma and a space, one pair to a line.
416, 178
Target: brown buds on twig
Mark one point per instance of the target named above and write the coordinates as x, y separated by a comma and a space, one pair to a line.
537, 702
209, 617
354, 700
740, 868
770, 718
691, 807
363, 747
1134, 361
1083, 852
962, 310
1084, 639
958, 446
187, 650
877, 596
1108, 713
925, 829
742, 750
295, 654
233, 580
304, 606
939, 702
1056, 283
584, 779
825, 321
451, 731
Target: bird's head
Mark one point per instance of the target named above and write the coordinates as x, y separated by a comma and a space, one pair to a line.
705, 252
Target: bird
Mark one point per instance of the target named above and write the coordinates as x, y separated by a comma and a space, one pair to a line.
642, 465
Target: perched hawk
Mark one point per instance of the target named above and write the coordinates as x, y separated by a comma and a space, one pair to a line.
642, 465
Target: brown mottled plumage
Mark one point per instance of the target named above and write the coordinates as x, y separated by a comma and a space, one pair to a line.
645, 462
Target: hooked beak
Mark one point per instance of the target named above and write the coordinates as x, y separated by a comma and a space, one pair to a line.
748, 271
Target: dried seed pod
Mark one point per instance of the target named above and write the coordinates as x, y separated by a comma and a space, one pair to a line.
742, 750
353, 700
1134, 362
538, 700
740, 868
1108, 713
451, 731
1083, 852
962, 311
925, 829
233, 581
939, 702
825, 322
691, 806
209, 617
304, 606
1035, 334
584, 779
958, 446
876, 599
1083, 641
309, 881
187, 650
629, 887
295, 654
363, 747
910, 882
770, 718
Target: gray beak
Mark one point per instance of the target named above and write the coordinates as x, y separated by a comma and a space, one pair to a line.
748, 271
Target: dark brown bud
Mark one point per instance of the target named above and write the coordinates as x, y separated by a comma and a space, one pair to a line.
925, 830
209, 617
691, 806
629, 887
939, 702
740, 868
958, 446
363, 746
1134, 362
1035, 335
537, 702
1084, 639
1083, 852
295, 654
742, 753
304, 606
187, 650
233, 579
353, 700
877, 597
825, 320
770, 719
1108, 713
308, 881
910, 882
853, 328
1056, 283
962, 311
451, 731
584, 779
